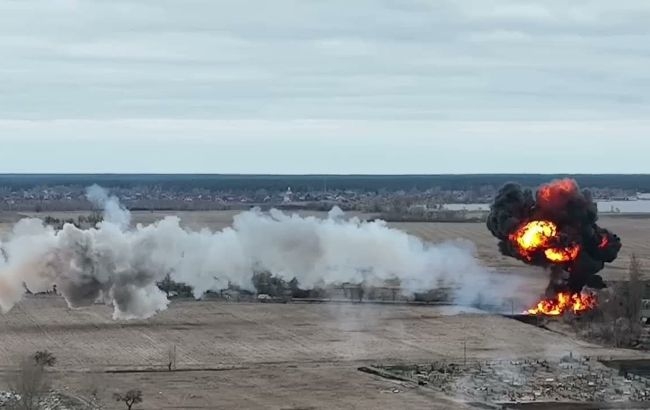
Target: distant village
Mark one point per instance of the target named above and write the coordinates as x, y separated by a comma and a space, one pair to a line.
396, 202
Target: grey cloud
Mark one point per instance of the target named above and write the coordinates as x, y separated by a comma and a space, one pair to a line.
334, 59
337, 61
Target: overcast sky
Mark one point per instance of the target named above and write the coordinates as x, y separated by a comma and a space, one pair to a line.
331, 86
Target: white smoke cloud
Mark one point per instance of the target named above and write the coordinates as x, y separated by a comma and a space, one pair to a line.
114, 212
121, 265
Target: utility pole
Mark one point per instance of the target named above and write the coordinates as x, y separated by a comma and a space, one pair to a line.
465, 352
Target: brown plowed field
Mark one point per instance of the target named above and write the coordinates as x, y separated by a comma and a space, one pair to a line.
276, 356
285, 356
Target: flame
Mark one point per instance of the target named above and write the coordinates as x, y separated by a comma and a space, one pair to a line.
535, 234
562, 254
564, 302
541, 235
557, 189
604, 241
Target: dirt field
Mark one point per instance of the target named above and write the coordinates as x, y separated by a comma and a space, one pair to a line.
293, 356
276, 356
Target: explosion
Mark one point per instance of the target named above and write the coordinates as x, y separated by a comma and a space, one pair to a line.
540, 236
556, 229
564, 302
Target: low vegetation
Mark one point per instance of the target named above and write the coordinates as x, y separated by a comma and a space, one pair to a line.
130, 398
31, 382
82, 221
172, 288
44, 358
617, 320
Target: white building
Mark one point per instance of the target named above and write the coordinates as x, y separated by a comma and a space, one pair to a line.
288, 196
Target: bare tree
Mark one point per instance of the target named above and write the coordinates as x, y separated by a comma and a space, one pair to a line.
44, 358
130, 398
617, 320
171, 365
633, 308
30, 383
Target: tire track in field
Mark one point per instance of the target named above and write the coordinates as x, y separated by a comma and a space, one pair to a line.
53, 341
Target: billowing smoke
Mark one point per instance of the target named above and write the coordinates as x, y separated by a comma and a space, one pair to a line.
114, 212
554, 228
121, 265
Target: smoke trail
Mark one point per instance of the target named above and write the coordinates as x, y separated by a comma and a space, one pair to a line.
122, 265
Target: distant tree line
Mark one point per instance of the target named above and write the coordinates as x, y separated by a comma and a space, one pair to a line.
640, 182
275, 288
172, 288
82, 221
264, 283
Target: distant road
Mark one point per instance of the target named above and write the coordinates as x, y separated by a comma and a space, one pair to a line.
624, 207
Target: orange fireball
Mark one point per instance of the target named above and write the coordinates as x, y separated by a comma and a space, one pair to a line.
564, 302
562, 254
557, 190
536, 236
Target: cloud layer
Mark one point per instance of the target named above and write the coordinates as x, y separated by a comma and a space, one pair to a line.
343, 67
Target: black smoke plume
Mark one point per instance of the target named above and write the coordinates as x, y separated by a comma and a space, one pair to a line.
575, 214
